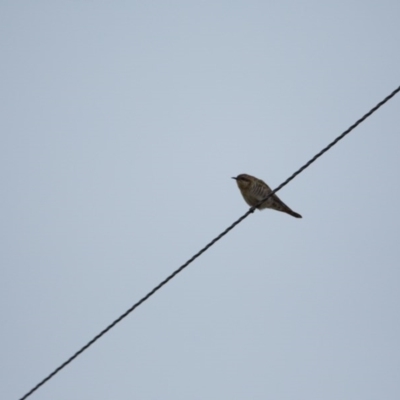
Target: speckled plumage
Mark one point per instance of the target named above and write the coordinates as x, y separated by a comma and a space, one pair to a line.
254, 190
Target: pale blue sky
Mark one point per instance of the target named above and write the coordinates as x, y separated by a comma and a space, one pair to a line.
122, 124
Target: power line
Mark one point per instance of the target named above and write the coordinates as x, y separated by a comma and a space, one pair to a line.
205, 248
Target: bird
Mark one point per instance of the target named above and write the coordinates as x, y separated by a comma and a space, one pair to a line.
254, 190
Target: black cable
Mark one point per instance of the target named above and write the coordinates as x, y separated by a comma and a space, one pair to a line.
205, 248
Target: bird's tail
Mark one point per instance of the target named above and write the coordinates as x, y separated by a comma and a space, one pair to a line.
279, 205
292, 213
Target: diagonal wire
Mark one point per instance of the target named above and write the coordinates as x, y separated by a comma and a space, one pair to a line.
205, 248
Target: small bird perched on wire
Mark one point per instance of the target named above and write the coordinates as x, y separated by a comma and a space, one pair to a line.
254, 190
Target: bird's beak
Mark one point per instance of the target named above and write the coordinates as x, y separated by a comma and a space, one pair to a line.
234, 178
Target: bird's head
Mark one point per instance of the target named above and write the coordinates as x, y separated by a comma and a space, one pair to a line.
243, 180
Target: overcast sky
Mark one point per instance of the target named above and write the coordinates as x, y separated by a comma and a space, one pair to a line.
122, 124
